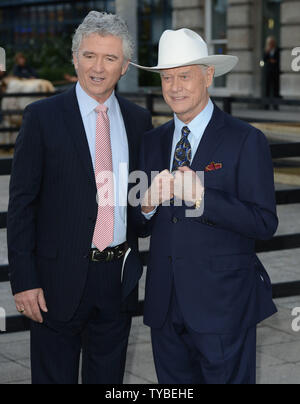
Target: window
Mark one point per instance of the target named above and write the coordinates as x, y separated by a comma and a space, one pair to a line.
155, 16
216, 32
20, 22
43, 30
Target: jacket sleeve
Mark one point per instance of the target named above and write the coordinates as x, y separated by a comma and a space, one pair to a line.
25, 186
143, 225
252, 212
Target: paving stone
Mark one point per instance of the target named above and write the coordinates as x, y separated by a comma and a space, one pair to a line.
15, 337
289, 303
24, 362
283, 374
288, 352
16, 350
265, 336
6, 300
12, 372
27, 381
264, 361
4, 187
140, 362
289, 222
139, 332
133, 379
278, 353
282, 322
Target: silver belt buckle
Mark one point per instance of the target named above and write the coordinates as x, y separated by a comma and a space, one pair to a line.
110, 256
120, 255
93, 256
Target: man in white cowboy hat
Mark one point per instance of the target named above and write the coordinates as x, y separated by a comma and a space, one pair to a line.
206, 289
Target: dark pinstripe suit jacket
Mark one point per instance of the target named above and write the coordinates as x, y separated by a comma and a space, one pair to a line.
52, 208
221, 285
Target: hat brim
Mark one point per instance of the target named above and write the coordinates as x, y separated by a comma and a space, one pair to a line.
223, 64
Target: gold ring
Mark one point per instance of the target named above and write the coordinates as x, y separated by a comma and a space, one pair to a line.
22, 311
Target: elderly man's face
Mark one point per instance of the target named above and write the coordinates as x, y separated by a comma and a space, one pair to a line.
100, 64
185, 90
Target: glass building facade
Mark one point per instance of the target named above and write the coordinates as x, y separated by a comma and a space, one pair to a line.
154, 17
21, 21
43, 29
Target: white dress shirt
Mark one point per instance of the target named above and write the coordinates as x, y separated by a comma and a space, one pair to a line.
120, 154
197, 128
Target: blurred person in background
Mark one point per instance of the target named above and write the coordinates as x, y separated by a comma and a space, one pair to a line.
21, 68
272, 70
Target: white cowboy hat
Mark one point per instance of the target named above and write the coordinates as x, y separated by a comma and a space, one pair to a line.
185, 48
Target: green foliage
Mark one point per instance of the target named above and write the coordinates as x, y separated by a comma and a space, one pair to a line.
51, 57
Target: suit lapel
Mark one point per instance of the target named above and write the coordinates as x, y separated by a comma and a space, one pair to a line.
76, 130
166, 144
130, 129
166, 135
211, 139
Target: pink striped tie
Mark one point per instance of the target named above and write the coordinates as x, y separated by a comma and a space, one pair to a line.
104, 230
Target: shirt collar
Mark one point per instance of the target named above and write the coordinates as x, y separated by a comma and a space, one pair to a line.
88, 104
201, 121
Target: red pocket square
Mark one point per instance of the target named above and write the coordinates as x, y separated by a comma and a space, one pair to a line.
213, 167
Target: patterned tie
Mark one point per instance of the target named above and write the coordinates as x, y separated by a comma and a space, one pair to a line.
104, 230
183, 152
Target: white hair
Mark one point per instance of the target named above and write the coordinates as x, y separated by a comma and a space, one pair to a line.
104, 24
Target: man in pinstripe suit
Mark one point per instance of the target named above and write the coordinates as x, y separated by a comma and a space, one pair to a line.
79, 296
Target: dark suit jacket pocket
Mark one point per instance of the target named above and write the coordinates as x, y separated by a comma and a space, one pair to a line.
232, 262
215, 179
46, 251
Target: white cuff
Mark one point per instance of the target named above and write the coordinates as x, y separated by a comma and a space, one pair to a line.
149, 215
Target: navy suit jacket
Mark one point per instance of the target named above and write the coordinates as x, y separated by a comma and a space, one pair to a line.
220, 283
52, 208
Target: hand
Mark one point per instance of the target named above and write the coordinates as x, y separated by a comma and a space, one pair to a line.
29, 304
161, 190
188, 186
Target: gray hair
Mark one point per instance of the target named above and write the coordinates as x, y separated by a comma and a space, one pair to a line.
104, 24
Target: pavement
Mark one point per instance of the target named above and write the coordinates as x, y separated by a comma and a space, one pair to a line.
278, 353
278, 347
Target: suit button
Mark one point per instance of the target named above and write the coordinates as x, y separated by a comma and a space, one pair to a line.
170, 260
208, 223
175, 220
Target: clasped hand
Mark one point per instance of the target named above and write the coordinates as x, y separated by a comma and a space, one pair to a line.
184, 184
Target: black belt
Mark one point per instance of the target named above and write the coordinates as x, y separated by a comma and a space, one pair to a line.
109, 254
